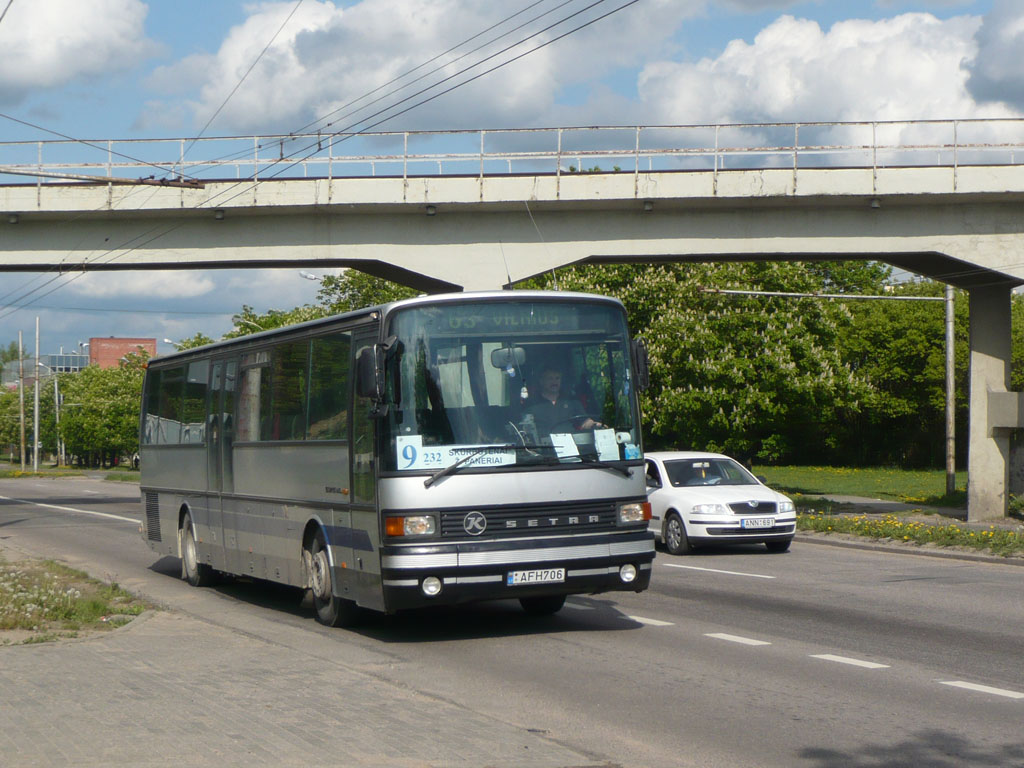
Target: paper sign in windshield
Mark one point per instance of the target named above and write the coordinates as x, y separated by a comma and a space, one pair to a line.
565, 447
607, 447
412, 454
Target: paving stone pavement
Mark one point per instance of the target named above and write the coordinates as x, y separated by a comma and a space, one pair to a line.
170, 689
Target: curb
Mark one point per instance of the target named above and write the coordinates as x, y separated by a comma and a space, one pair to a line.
871, 546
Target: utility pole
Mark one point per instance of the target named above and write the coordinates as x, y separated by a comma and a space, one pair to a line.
35, 410
21, 396
950, 396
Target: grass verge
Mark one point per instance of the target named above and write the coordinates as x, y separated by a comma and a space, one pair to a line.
42, 601
992, 540
910, 486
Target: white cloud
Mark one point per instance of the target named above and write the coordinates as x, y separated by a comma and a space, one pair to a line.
907, 67
50, 43
328, 56
144, 284
996, 73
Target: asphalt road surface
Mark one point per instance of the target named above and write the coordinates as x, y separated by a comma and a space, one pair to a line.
820, 657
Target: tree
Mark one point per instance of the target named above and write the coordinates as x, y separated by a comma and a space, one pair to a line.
198, 340
353, 290
247, 322
100, 417
757, 377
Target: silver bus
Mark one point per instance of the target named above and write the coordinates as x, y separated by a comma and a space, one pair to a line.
395, 457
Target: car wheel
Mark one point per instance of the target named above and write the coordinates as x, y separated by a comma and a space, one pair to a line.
778, 545
676, 540
542, 606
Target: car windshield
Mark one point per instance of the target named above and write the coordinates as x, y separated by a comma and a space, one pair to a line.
506, 383
693, 472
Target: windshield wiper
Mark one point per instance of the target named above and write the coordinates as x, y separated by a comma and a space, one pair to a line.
592, 458
469, 457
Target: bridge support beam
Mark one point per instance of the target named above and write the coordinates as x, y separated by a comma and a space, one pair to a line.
994, 410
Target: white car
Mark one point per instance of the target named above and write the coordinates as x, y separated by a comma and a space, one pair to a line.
709, 498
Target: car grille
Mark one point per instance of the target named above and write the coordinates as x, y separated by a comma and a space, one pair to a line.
579, 517
762, 508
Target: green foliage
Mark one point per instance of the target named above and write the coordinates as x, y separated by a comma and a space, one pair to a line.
247, 322
199, 340
750, 376
912, 486
101, 409
353, 290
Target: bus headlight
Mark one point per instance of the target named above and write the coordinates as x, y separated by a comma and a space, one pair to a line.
411, 525
431, 586
627, 573
635, 513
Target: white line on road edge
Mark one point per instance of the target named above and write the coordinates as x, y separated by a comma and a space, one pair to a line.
651, 622
736, 639
72, 509
715, 570
983, 689
846, 660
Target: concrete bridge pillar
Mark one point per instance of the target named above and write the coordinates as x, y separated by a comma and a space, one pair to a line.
994, 410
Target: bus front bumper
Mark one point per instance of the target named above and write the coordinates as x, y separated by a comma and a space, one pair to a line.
509, 569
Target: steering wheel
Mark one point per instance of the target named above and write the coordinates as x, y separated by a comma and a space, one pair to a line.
571, 421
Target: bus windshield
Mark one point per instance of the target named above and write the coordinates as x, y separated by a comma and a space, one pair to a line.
500, 384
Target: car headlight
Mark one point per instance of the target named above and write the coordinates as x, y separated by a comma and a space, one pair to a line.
786, 506
710, 509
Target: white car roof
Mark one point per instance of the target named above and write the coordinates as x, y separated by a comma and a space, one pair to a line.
683, 455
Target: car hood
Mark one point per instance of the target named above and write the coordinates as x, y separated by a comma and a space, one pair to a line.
722, 494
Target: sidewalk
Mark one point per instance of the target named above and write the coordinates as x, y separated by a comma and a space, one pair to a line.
218, 684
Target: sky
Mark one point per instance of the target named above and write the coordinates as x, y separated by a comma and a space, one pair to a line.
99, 69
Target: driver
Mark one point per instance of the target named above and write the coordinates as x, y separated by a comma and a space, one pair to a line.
554, 413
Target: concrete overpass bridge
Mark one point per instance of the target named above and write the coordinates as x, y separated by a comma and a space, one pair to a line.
464, 210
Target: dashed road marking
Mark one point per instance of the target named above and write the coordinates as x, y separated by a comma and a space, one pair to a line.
715, 570
983, 689
847, 660
736, 639
651, 622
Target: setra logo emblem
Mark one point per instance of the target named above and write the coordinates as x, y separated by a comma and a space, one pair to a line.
474, 523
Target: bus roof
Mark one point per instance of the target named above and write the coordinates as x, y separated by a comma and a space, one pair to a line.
383, 310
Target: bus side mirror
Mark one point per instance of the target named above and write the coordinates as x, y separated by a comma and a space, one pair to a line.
641, 361
367, 378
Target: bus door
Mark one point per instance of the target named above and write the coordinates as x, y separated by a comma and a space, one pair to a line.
220, 477
365, 519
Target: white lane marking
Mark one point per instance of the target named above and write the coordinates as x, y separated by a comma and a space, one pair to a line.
983, 689
736, 639
847, 660
95, 493
651, 622
72, 509
578, 607
715, 570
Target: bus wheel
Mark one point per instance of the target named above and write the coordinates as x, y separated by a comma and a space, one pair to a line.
194, 572
331, 610
542, 606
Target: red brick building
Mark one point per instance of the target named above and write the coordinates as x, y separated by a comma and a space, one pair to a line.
107, 352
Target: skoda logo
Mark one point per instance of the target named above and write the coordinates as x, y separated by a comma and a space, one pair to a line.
475, 523
753, 503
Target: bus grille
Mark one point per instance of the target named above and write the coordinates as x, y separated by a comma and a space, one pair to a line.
580, 517
153, 516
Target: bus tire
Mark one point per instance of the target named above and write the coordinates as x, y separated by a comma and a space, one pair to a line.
331, 610
542, 606
194, 572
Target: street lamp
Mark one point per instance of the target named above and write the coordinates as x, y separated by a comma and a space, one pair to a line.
308, 275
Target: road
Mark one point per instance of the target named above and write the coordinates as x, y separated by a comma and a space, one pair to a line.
821, 657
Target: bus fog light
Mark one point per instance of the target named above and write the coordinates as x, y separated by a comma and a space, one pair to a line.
431, 586
627, 573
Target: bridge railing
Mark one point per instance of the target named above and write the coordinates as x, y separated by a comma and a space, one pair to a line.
491, 152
